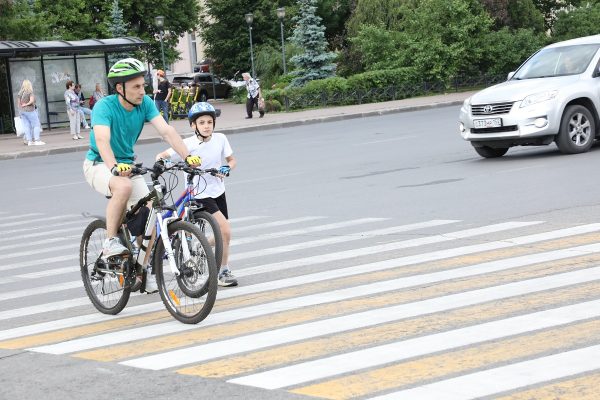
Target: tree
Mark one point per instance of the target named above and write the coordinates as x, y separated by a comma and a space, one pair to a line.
515, 14
19, 22
582, 21
387, 14
116, 28
225, 32
549, 8
507, 48
316, 62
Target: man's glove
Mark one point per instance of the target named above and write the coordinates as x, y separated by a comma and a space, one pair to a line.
120, 167
224, 170
193, 161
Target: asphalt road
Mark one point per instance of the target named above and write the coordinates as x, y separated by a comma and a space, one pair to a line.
332, 222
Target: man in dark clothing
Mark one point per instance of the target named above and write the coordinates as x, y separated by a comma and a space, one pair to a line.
163, 94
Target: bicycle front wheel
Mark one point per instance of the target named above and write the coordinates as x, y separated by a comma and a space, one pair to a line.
104, 284
190, 294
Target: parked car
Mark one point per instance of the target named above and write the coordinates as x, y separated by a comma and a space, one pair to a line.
183, 79
554, 96
205, 83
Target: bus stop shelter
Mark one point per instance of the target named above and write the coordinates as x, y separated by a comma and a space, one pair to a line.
49, 65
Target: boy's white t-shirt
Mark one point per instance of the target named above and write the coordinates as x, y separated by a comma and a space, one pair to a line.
213, 155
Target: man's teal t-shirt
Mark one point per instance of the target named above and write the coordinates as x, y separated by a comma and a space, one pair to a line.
125, 126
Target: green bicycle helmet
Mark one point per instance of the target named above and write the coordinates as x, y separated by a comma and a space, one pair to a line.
124, 70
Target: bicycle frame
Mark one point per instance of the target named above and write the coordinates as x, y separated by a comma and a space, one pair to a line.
157, 221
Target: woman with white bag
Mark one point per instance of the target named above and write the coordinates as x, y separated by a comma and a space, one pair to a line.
29, 115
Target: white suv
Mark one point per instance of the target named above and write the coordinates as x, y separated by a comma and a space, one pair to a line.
553, 96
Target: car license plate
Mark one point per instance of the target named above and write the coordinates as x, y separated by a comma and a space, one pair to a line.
487, 123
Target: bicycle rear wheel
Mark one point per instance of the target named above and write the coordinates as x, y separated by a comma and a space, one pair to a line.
209, 226
104, 284
189, 296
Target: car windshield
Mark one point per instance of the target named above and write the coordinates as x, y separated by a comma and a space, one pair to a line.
558, 61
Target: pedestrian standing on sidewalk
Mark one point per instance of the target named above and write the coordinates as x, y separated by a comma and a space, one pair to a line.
29, 115
72, 101
254, 95
163, 94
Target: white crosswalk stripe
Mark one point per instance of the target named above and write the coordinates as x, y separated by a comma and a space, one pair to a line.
271, 331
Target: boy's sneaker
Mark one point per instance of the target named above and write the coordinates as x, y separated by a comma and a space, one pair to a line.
226, 278
151, 286
113, 247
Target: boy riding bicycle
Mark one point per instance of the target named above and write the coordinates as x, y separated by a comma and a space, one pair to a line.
212, 148
117, 122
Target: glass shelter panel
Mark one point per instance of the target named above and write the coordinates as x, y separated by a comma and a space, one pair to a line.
31, 69
91, 70
58, 71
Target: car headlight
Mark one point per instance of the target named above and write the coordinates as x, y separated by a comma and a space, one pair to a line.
539, 97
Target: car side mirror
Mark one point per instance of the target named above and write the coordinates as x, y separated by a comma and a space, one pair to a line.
596, 72
510, 75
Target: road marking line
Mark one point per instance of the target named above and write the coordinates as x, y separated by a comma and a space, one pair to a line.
403, 261
37, 251
21, 216
509, 377
317, 298
254, 342
38, 248
276, 223
580, 388
304, 231
418, 347
339, 239
457, 361
363, 251
43, 261
41, 227
401, 330
40, 274
41, 219
78, 229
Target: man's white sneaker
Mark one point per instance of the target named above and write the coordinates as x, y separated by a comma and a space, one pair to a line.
39, 143
113, 247
151, 285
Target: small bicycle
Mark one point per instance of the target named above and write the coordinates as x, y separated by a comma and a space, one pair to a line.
182, 258
191, 210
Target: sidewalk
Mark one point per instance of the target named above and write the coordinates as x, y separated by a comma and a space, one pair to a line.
231, 121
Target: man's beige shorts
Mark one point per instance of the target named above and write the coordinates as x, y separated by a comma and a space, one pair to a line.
98, 177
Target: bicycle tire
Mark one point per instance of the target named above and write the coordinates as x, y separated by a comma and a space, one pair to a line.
212, 232
94, 281
172, 288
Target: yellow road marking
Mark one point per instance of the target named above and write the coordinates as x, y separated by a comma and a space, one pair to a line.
314, 348
74, 333
582, 388
203, 335
279, 294
455, 362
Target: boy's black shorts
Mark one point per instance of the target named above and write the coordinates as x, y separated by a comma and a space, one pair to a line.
213, 205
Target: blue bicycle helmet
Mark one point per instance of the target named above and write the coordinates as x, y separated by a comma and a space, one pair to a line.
202, 108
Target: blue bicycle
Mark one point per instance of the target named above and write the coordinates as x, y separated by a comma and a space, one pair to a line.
191, 210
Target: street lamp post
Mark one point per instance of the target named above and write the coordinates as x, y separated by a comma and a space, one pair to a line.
249, 18
281, 16
159, 21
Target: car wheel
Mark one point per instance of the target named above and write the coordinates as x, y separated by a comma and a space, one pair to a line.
203, 97
577, 130
490, 152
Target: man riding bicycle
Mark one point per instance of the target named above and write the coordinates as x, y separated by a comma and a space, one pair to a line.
117, 122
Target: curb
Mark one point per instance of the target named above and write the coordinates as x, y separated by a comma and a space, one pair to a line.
309, 121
